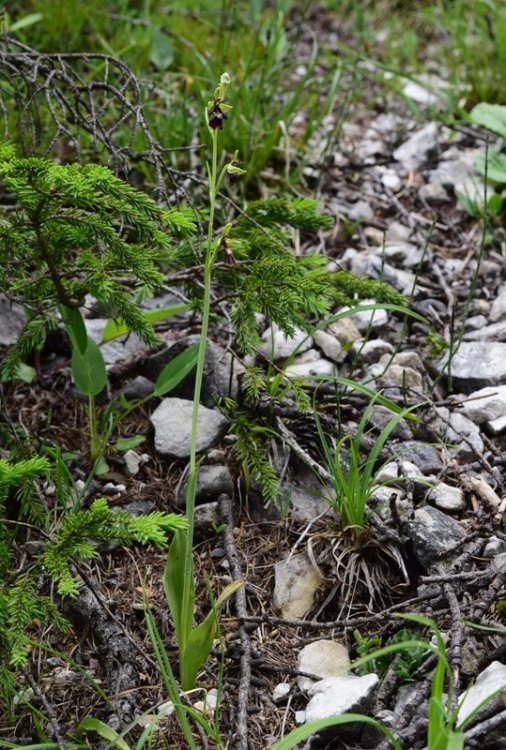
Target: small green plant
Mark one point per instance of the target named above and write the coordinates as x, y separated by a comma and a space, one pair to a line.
353, 478
404, 664
443, 733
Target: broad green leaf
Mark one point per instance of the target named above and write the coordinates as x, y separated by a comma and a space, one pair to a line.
126, 444
490, 116
88, 369
492, 164
161, 53
90, 724
495, 203
101, 466
74, 325
176, 370
113, 329
302, 733
173, 582
200, 641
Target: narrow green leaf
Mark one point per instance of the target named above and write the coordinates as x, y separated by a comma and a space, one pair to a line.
26, 21
302, 733
90, 724
126, 444
200, 641
88, 369
113, 329
176, 370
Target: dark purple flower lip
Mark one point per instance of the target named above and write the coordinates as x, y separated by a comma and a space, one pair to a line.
229, 256
216, 116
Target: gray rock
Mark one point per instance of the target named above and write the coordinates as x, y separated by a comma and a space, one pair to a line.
380, 417
404, 254
476, 365
139, 387
334, 696
345, 331
493, 332
12, 321
465, 434
419, 148
391, 180
361, 211
207, 516
212, 481
139, 507
220, 377
485, 404
456, 171
475, 323
498, 309
492, 679
172, 423
366, 320
301, 369
323, 658
330, 346
397, 472
114, 350
426, 457
494, 546
434, 194
420, 94
278, 346
447, 498
397, 381
296, 581
133, 462
433, 534
306, 504
496, 426
371, 351
281, 692
398, 232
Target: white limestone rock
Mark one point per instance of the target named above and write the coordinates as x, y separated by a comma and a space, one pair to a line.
485, 405
419, 148
446, 497
323, 658
172, 422
334, 696
493, 678
295, 582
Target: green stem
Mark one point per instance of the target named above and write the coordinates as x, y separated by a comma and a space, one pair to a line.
95, 442
208, 267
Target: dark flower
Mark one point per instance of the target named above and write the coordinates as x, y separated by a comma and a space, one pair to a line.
216, 116
229, 256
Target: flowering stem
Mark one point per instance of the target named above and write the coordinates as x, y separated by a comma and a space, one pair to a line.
208, 268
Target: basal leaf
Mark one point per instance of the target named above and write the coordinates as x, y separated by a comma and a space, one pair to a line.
176, 370
88, 369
